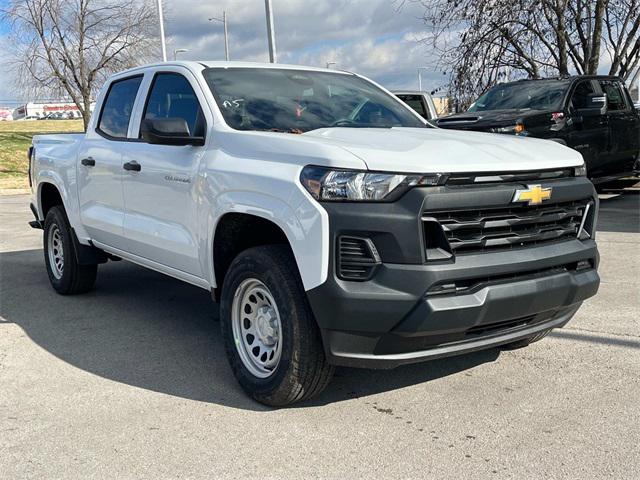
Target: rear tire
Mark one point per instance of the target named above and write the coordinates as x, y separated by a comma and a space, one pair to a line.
525, 342
67, 277
271, 338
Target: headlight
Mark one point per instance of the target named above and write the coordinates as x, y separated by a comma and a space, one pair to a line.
326, 184
518, 129
580, 171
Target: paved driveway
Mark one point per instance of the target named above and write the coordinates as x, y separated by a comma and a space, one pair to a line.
130, 381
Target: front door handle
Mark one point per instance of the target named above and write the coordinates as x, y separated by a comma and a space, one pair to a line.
132, 166
88, 162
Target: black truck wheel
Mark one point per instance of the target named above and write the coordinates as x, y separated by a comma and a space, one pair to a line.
65, 274
271, 338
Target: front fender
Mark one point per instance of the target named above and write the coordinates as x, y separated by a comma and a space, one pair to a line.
304, 222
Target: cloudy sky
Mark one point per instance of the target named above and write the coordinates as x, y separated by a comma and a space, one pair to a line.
377, 38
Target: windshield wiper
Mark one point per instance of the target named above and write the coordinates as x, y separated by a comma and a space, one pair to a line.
296, 131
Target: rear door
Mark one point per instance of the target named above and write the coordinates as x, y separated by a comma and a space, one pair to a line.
623, 122
100, 164
162, 197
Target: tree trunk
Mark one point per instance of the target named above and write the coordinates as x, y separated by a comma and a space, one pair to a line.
561, 32
596, 38
86, 107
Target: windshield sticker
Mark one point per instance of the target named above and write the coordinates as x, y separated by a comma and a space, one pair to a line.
233, 103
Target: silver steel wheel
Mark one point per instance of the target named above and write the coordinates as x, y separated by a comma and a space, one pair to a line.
257, 329
56, 251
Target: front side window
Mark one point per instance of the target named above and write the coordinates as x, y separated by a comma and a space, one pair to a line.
615, 97
273, 99
172, 96
580, 98
118, 106
524, 95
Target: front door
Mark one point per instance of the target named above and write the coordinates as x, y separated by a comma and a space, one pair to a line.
160, 193
99, 165
589, 135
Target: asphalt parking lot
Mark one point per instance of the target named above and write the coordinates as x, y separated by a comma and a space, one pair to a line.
130, 381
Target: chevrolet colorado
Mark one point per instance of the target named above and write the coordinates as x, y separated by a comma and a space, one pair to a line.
333, 225
591, 114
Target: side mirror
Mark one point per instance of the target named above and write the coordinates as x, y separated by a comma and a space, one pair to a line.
596, 105
168, 131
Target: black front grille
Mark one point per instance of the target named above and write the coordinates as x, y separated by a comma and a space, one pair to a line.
357, 258
506, 228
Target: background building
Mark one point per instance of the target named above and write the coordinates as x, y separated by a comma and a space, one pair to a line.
57, 109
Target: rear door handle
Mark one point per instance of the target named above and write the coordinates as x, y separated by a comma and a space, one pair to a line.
88, 162
132, 166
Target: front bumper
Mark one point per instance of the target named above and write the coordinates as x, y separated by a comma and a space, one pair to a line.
389, 329
398, 317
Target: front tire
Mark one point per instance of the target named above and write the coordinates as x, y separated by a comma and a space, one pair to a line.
67, 277
271, 338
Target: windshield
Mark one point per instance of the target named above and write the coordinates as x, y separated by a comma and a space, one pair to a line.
300, 100
533, 95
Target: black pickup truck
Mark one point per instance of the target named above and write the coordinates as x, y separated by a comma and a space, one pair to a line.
592, 114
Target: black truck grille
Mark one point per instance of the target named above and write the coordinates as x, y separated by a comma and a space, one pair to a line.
479, 230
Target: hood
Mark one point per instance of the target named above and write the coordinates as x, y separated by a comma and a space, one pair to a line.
434, 150
491, 118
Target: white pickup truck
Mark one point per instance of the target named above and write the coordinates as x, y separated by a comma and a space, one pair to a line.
333, 225
421, 102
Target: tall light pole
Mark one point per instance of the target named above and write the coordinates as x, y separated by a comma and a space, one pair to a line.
420, 77
177, 51
162, 40
331, 63
273, 57
226, 32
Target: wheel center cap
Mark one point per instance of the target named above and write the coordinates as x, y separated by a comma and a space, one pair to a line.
266, 325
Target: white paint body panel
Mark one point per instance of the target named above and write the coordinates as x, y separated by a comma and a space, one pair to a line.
433, 150
151, 219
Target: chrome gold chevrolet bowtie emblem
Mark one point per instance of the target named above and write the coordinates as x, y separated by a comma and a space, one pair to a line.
534, 195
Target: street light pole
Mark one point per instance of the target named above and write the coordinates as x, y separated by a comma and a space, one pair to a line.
226, 32
420, 77
226, 35
177, 51
273, 57
331, 63
162, 40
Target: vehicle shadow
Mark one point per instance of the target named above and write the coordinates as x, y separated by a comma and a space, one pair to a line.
150, 331
620, 213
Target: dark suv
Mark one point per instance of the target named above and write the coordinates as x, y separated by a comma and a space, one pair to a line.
591, 114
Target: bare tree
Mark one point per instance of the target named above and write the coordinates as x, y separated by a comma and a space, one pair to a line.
481, 42
70, 46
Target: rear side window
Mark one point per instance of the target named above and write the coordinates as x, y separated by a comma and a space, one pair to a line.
580, 98
415, 102
118, 105
171, 96
615, 96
